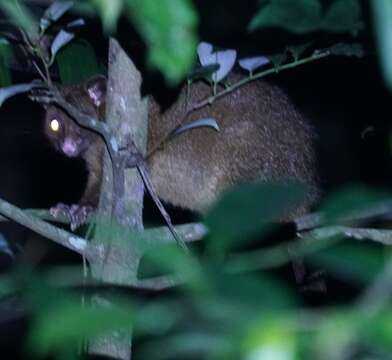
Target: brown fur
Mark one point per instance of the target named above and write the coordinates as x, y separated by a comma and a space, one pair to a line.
91, 147
262, 137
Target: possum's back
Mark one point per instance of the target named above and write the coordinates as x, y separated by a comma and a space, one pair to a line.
262, 137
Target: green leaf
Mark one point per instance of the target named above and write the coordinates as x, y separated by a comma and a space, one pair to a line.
158, 317
335, 334
303, 16
61, 40
19, 13
201, 72
6, 58
169, 29
382, 11
204, 122
77, 62
5, 74
67, 322
190, 344
271, 339
352, 200
249, 210
298, 16
76, 23
357, 263
298, 50
171, 259
110, 12
342, 16
54, 12
378, 330
8, 287
278, 59
248, 294
254, 62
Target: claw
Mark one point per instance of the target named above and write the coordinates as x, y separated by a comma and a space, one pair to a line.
42, 96
77, 215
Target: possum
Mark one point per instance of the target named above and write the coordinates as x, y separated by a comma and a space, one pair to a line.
262, 137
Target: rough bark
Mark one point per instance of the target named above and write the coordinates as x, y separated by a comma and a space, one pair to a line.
121, 194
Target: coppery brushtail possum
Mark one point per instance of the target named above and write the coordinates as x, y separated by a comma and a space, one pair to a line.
262, 137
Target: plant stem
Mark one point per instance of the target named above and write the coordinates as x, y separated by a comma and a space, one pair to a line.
259, 75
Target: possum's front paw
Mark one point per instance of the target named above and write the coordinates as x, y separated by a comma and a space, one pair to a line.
77, 215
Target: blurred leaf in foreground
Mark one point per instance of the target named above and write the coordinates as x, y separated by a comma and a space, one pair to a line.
248, 210
304, 16
355, 263
169, 29
343, 16
109, 12
382, 12
66, 322
6, 58
271, 339
299, 16
77, 62
352, 200
18, 13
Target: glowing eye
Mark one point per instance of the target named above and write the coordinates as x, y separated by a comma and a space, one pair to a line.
55, 125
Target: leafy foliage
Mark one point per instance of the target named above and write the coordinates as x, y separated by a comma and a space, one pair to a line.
169, 29
6, 56
61, 39
250, 210
109, 12
305, 16
382, 11
77, 62
355, 263
68, 322
353, 199
53, 13
18, 13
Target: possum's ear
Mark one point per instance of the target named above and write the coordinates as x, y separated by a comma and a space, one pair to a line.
96, 89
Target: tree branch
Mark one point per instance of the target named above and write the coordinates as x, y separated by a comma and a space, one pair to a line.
313, 220
313, 241
60, 236
160, 283
162, 235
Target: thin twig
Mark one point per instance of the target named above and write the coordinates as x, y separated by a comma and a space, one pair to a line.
229, 89
146, 179
44, 78
259, 75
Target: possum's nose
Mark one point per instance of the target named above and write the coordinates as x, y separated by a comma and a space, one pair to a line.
70, 147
